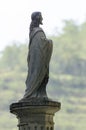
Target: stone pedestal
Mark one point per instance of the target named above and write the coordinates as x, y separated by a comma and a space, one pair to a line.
35, 114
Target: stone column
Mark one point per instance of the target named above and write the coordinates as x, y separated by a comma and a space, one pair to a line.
35, 114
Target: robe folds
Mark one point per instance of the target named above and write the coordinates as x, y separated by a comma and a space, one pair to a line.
39, 54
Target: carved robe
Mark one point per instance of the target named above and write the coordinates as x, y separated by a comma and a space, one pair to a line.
40, 50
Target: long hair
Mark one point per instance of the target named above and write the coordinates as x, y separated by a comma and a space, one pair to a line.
34, 24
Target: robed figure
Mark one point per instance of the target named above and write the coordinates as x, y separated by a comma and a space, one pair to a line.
39, 54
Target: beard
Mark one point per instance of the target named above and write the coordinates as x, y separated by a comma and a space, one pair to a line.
40, 22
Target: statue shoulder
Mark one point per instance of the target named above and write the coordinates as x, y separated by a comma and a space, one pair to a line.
38, 30
35, 31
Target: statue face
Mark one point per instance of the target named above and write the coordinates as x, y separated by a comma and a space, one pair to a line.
40, 19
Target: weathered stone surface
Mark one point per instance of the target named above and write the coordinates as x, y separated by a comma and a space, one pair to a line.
38, 59
35, 110
36, 114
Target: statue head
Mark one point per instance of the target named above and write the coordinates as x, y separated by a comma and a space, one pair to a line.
37, 17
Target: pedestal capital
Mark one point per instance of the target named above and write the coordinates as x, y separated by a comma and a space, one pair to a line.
35, 113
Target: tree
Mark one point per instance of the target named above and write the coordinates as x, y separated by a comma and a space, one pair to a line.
14, 55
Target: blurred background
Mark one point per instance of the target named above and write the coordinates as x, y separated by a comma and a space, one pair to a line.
65, 23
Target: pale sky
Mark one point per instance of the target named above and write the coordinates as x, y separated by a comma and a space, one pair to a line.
15, 17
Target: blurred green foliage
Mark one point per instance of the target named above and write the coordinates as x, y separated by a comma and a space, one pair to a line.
67, 82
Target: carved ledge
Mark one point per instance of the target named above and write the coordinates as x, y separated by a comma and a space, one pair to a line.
42, 105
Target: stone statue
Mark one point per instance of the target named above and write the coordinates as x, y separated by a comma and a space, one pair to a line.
36, 110
39, 54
